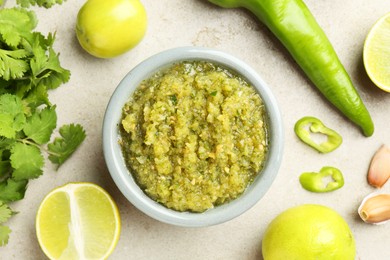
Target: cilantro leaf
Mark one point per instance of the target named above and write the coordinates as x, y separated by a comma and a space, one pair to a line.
6, 129
46, 69
4, 235
40, 3
5, 143
12, 64
5, 212
62, 148
10, 104
27, 161
58, 74
12, 117
5, 168
12, 190
40, 125
36, 97
16, 24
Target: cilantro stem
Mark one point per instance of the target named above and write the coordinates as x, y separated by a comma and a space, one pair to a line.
28, 142
40, 147
32, 143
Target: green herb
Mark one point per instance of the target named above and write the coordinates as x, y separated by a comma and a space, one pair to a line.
5, 214
41, 3
173, 99
29, 68
60, 150
214, 93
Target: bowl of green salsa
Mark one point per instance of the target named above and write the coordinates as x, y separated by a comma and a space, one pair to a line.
193, 137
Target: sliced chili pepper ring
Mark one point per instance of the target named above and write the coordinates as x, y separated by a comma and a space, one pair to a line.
306, 126
320, 182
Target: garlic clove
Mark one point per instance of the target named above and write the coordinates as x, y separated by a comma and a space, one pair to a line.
379, 170
375, 208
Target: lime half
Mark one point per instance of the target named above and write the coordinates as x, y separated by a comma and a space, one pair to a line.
376, 53
78, 221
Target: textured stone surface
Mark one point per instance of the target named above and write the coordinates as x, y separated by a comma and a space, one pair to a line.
174, 23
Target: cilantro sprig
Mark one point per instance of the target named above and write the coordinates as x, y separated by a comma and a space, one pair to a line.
29, 68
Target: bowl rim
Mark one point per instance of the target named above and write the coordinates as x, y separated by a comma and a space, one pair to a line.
122, 176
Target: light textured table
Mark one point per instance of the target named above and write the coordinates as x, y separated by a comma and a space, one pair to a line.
174, 23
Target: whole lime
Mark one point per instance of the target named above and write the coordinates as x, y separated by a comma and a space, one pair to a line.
307, 232
108, 28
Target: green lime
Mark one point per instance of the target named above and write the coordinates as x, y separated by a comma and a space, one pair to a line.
107, 29
308, 232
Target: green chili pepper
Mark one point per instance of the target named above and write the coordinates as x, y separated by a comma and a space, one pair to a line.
320, 182
294, 25
306, 126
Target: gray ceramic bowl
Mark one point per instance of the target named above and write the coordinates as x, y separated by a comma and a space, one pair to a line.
123, 178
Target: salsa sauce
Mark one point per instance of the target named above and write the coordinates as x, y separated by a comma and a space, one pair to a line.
194, 135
